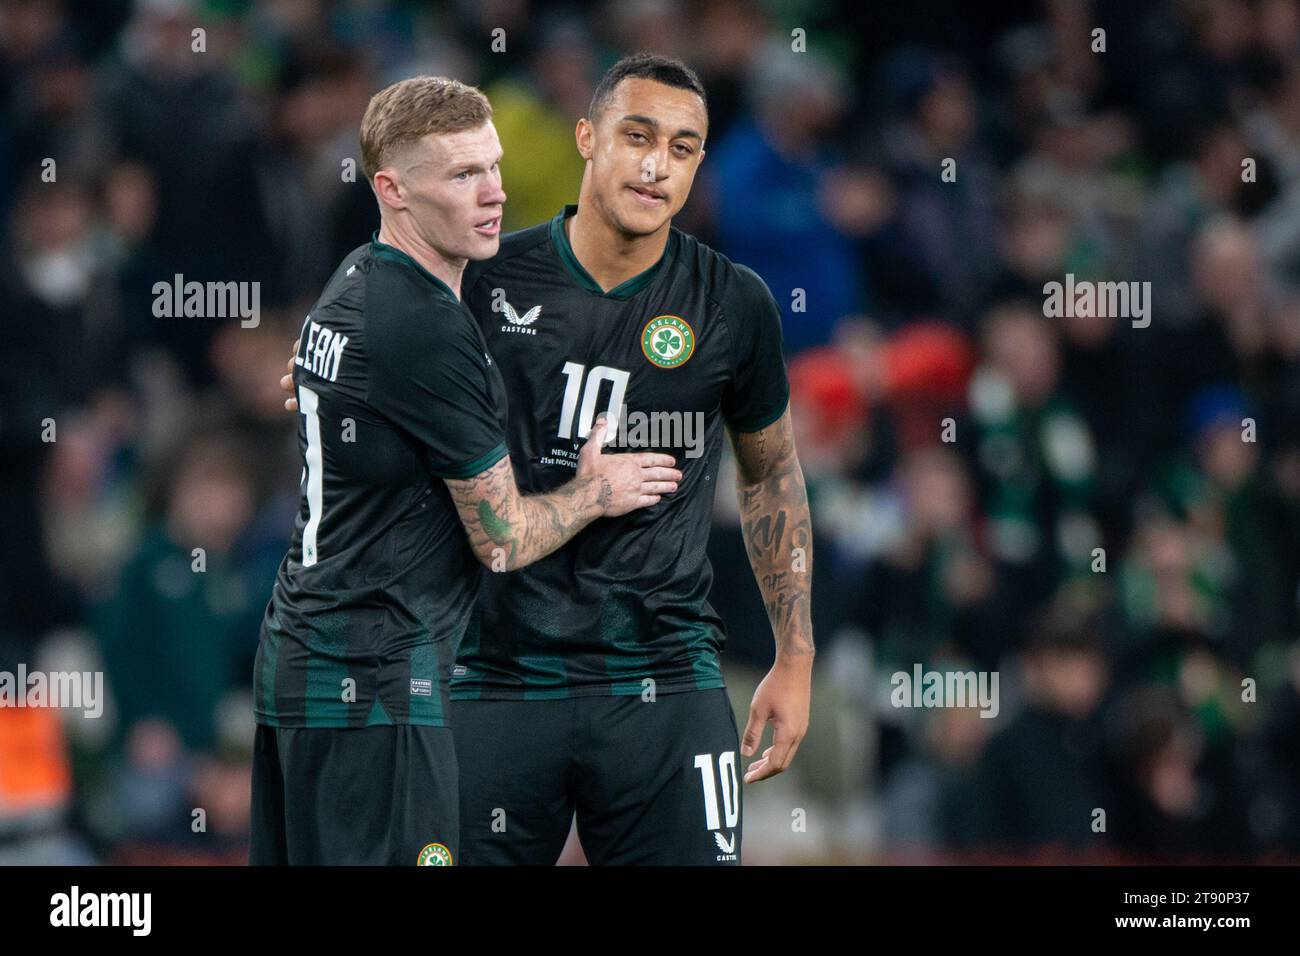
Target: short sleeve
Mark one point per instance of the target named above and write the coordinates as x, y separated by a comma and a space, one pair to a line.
759, 390
431, 376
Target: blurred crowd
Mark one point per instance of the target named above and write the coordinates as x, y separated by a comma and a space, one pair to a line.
1103, 511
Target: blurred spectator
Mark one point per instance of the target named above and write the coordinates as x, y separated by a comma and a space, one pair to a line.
771, 175
318, 204
925, 797
181, 628
179, 114
928, 593
1041, 778
941, 251
540, 108
1035, 461
1173, 799
1189, 194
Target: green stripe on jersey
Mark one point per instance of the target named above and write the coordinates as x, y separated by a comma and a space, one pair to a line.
269, 651
624, 290
326, 672
424, 666
758, 424
552, 684
478, 465
704, 661
382, 250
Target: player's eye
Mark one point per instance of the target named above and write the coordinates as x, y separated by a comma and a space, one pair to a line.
682, 149
636, 137
462, 176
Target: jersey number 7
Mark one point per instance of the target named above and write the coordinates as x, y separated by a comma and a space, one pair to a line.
309, 404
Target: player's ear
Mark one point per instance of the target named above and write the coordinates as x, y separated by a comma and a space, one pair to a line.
388, 187
583, 135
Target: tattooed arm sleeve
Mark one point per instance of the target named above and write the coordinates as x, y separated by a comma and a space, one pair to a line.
508, 530
777, 529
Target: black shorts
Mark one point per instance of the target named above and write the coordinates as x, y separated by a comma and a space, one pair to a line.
368, 795
651, 783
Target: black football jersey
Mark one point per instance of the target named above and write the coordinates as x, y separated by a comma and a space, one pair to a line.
671, 356
396, 391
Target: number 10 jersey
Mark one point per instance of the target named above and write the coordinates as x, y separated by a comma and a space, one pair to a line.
672, 356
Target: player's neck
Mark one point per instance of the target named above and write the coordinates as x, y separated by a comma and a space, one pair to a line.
434, 262
609, 256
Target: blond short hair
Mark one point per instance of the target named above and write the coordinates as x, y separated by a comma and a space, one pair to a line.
411, 109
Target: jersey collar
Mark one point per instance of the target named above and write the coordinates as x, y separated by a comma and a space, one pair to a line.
624, 290
382, 250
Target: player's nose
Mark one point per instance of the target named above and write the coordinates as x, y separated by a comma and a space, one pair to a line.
493, 195
662, 166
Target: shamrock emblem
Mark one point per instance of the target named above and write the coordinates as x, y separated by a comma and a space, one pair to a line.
667, 342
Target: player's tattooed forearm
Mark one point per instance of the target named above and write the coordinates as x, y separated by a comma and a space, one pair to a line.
484, 503
502, 523
552, 519
777, 529
498, 529
779, 543
783, 609
546, 526
765, 533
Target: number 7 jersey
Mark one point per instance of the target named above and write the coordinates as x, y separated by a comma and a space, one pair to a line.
672, 356
396, 392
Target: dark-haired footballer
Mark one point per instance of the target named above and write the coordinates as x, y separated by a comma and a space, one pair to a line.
591, 682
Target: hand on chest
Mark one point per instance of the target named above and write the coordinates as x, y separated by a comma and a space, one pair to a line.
657, 373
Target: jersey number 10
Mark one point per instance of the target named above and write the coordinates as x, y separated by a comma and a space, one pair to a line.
590, 396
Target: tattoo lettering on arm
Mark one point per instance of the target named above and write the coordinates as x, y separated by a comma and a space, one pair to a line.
777, 528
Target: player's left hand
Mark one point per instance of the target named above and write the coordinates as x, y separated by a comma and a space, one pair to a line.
286, 383
783, 698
